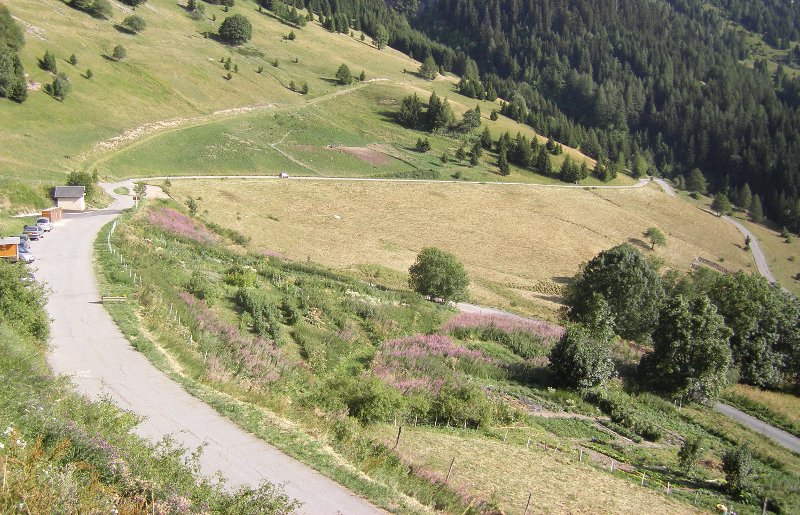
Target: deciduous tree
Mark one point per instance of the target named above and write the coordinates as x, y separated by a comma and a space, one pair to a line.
438, 274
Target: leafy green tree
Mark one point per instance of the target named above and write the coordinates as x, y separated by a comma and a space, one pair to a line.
134, 23
630, 285
766, 327
581, 360
737, 463
381, 38
140, 189
438, 274
73, 59
49, 62
60, 87
690, 452
362, 76
721, 204
292, 36
84, 179
696, 181
119, 53
502, 163
236, 30
428, 69
493, 115
410, 113
656, 237
691, 355
343, 75
89, 74
461, 154
756, 211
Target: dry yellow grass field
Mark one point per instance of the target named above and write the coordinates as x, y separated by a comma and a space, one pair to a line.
518, 243
508, 472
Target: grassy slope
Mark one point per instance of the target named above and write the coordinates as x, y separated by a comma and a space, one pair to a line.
518, 242
173, 75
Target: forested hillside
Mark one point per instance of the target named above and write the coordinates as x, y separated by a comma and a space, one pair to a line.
631, 82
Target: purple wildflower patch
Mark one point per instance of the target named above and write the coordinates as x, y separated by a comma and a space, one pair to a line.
505, 323
179, 224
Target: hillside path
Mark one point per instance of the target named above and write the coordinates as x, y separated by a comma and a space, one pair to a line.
88, 347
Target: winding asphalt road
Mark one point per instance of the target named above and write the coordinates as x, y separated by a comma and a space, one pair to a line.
89, 348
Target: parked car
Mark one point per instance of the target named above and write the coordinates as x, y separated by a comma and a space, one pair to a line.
25, 241
34, 232
25, 255
283, 175
45, 224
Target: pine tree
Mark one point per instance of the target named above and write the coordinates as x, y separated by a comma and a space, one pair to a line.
502, 163
543, 164
428, 69
756, 211
486, 138
49, 62
744, 197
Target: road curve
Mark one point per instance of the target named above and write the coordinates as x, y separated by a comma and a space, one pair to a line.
761, 261
88, 347
785, 439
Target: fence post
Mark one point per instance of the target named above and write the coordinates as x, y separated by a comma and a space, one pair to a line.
397, 440
643, 478
449, 470
580, 457
528, 504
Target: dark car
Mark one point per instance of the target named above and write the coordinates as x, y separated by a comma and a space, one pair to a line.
33, 232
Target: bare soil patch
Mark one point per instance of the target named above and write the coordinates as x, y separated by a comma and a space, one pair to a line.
367, 155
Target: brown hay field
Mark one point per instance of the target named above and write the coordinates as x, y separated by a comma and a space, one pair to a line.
509, 472
519, 243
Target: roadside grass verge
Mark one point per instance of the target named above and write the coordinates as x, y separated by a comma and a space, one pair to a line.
779, 409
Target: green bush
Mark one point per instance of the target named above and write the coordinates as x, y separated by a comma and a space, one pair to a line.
374, 401
21, 301
201, 288
459, 402
241, 276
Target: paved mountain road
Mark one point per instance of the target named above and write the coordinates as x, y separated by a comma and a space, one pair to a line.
88, 347
785, 439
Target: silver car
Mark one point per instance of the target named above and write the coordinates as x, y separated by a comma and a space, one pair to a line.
45, 224
25, 255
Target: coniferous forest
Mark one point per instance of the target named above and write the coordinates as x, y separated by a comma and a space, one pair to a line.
624, 80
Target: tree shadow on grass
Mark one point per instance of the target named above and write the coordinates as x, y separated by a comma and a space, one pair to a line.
329, 80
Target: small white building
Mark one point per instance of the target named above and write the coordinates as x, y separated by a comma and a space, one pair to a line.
70, 198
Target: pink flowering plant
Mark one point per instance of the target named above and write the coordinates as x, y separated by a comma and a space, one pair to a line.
525, 337
255, 358
177, 223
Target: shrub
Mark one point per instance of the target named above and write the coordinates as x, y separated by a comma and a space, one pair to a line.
242, 277
526, 338
737, 463
89, 74
690, 452
201, 288
374, 401
21, 300
236, 30
73, 59
423, 145
134, 23
119, 53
